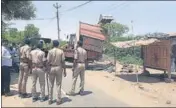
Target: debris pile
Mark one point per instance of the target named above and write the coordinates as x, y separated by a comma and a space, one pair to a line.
127, 68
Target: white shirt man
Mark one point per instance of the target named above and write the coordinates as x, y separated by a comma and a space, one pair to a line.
5, 72
6, 57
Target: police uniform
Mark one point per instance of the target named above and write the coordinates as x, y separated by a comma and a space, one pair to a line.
55, 59
38, 59
80, 55
24, 69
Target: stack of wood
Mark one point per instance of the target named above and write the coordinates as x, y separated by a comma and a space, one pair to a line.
127, 68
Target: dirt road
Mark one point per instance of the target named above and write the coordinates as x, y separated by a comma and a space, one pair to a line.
104, 89
93, 97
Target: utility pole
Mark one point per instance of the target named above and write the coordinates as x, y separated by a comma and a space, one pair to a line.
57, 15
132, 27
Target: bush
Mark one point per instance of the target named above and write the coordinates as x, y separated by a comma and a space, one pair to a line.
124, 55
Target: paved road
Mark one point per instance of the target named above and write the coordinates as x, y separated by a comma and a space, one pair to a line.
93, 97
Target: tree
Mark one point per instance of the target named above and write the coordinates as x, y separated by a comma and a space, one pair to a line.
155, 34
13, 35
114, 29
16, 10
31, 31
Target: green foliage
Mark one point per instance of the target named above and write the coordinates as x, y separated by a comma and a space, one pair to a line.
124, 55
115, 33
15, 36
17, 10
131, 60
114, 29
62, 43
13, 10
31, 31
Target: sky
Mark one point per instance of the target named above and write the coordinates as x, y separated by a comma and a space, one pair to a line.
147, 16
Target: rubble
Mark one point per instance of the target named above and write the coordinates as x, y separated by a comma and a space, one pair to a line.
168, 102
127, 68
167, 80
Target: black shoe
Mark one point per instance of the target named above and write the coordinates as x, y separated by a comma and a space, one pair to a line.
43, 99
58, 102
19, 94
34, 99
25, 95
8, 94
81, 92
50, 102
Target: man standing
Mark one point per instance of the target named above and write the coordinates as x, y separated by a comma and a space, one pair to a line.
24, 69
173, 59
5, 66
80, 57
38, 59
56, 61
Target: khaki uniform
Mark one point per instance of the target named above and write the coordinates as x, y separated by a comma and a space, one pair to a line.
24, 68
55, 59
38, 59
80, 55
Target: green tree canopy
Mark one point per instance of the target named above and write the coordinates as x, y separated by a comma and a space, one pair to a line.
15, 36
14, 10
31, 31
114, 29
17, 10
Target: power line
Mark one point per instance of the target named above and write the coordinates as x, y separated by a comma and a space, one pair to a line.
49, 23
114, 6
118, 6
124, 5
76, 6
38, 19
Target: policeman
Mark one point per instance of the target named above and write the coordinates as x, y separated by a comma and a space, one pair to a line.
80, 57
56, 61
24, 69
37, 56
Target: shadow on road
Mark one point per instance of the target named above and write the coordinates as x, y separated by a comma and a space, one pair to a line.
64, 100
93, 66
133, 78
86, 93
14, 92
153, 78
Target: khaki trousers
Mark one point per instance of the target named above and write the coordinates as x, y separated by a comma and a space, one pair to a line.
23, 77
38, 73
79, 71
55, 73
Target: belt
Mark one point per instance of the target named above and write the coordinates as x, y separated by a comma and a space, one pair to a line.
80, 62
35, 65
24, 60
55, 65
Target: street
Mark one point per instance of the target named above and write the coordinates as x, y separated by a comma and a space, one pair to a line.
93, 97
102, 89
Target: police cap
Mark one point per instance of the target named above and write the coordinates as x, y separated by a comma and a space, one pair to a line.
55, 43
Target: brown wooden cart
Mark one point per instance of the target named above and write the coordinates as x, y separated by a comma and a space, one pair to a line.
158, 55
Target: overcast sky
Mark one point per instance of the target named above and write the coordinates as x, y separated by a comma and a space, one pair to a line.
147, 16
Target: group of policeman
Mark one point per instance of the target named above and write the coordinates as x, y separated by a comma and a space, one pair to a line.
53, 66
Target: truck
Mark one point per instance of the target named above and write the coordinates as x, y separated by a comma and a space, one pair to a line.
46, 44
92, 38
